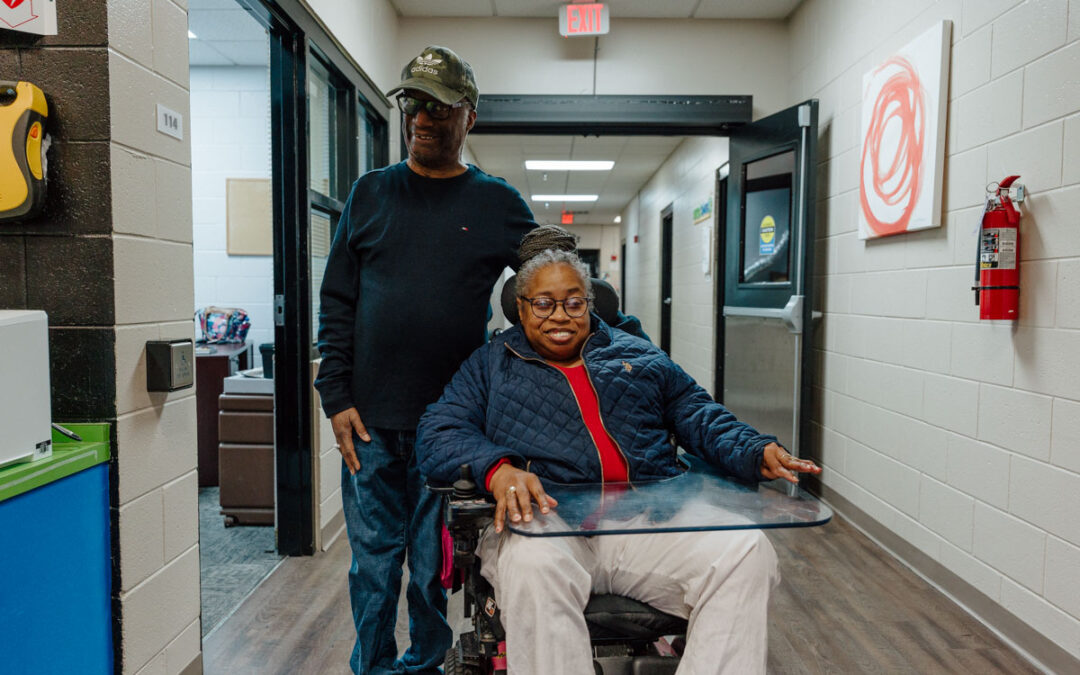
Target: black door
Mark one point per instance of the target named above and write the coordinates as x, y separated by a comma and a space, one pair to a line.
666, 222
768, 273
622, 276
591, 257
721, 249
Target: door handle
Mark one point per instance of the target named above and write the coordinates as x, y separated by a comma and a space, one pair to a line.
791, 313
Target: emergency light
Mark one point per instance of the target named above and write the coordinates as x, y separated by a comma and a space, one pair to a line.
23, 112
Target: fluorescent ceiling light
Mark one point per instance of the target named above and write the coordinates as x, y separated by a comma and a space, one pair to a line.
561, 165
565, 198
191, 36
618, 219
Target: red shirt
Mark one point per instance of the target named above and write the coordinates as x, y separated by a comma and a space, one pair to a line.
612, 463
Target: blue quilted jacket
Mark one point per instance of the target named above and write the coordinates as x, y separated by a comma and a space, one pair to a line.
505, 401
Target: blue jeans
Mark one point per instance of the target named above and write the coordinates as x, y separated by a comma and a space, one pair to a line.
388, 512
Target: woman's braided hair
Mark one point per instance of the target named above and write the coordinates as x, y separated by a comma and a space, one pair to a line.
549, 245
546, 237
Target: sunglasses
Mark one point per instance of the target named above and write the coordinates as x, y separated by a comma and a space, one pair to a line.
435, 109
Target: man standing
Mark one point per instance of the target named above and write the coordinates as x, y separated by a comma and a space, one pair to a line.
404, 302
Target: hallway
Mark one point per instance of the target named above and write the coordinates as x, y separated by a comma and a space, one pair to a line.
844, 606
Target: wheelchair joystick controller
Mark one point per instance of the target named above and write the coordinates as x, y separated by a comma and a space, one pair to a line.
465, 486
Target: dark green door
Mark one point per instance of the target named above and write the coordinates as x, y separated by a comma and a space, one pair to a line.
768, 272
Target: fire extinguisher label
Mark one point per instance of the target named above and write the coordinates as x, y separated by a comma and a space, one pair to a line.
998, 248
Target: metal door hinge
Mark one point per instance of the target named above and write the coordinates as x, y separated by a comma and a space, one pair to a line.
279, 310
804, 115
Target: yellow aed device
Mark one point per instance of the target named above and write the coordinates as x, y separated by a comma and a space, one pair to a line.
23, 112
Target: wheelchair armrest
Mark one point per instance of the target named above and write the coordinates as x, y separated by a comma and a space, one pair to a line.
440, 488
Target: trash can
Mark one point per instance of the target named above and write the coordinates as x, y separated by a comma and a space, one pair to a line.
267, 351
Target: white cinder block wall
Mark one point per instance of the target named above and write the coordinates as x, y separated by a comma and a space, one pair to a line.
960, 437
605, 238
230, 138
158, 555
685, 181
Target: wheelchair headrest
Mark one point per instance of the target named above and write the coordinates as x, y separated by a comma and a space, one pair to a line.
605, 301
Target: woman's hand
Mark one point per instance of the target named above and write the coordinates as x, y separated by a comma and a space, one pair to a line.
514, 492
778, 463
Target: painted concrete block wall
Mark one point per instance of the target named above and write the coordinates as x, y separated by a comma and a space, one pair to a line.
230, 138
72, 68
958, 435
605, 238
684, 181
155, 436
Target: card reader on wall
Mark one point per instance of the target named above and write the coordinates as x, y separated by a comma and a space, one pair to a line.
23, 169
25, 400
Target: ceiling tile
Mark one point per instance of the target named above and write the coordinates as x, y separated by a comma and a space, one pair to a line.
745, 9
420, 8
528, 8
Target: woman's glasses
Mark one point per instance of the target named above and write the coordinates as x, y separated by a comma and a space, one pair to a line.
435, 109
542, 308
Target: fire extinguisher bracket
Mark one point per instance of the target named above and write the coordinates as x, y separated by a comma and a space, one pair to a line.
1015, 192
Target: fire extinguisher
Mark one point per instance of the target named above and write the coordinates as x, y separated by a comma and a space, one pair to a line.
997, 262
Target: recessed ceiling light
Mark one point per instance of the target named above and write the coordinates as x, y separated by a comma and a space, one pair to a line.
565, 198
575, 165
618, 219
191, 36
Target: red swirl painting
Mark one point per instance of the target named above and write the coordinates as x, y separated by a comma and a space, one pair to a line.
892, 153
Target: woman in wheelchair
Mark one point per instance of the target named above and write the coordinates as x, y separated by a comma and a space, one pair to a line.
563, 397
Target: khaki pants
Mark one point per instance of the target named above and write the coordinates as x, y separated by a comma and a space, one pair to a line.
719, 580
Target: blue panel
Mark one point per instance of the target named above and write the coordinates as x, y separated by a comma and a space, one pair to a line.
55, 578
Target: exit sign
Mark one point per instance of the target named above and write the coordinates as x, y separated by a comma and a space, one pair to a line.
586, 19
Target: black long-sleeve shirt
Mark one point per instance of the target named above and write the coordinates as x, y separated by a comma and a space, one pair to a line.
407, 285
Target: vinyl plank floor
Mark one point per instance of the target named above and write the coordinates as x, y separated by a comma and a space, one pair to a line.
843, 606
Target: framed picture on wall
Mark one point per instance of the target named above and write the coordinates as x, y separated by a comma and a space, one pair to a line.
902, 151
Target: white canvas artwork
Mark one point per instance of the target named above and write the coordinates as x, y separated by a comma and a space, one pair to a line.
902, 154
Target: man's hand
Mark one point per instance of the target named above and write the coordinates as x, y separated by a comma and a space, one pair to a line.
514, 491
778, 463
344, 424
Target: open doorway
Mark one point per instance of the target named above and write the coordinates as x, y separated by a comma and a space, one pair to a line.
229, 58
696, 315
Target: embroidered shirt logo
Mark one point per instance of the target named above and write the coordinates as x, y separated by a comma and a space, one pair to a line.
426, 64
626, 366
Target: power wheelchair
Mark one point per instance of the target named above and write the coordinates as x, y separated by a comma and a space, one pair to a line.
628, 637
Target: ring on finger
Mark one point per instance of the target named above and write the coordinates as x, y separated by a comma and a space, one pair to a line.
511, 490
